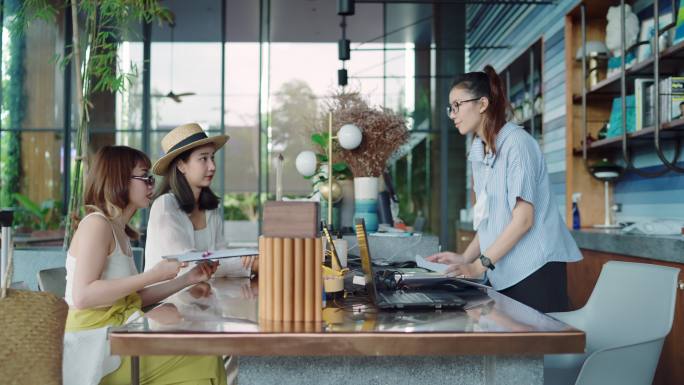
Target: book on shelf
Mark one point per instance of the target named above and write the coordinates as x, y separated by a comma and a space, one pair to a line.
671, 95
615, 123
643, 101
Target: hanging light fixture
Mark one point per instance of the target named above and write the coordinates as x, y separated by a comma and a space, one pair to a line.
342, 77
344, 8
343, 49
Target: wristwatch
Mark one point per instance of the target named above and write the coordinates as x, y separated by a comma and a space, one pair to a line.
486, 262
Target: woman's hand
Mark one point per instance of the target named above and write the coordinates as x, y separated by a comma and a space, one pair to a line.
201, 290
202, 272
250, 262
470, 270
166, 269
447, 258
457, 264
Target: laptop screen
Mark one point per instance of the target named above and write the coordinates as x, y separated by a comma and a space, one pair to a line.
366, 266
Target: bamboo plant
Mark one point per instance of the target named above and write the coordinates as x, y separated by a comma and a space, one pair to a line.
97, 27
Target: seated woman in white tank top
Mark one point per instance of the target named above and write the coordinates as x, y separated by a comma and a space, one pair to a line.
185, 214
104, 289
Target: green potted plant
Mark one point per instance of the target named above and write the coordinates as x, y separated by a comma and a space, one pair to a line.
41, 222
341, 171
383, 132
342, 185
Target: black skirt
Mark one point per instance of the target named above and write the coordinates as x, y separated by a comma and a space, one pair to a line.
545, 290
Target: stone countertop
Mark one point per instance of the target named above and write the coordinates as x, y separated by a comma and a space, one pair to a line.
667, 248
389, 249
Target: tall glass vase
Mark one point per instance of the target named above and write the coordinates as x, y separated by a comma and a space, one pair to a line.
366, 201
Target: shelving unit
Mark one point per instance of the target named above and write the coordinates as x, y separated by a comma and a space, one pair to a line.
669, 130
595, 104
671, 60
524, 86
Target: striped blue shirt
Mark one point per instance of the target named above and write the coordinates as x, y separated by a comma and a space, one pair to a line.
518, 170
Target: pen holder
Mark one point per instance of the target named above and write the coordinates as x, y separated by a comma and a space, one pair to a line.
333, 281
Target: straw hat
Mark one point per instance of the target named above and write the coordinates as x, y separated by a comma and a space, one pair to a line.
181, 139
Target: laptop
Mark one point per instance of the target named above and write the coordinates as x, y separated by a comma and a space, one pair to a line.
388, 298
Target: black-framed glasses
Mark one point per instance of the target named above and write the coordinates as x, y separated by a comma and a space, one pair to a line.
453, 108
148, 179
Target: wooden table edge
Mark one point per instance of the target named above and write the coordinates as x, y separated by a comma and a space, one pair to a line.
347, 344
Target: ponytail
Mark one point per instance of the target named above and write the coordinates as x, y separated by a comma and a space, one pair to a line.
487, 84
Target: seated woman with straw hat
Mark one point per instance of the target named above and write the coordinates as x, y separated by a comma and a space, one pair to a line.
185, 216
103, 287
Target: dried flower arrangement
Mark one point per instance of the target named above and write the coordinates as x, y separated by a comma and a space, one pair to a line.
383, 133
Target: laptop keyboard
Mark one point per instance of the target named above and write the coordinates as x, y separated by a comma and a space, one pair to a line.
403, 297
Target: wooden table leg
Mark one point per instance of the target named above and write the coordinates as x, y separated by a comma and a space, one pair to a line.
135, 370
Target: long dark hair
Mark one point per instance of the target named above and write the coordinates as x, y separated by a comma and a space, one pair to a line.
487, 83
175, 182
108, 181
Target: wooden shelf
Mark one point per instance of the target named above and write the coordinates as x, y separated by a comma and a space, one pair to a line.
670, 61
517, 77
599, 106
669, 130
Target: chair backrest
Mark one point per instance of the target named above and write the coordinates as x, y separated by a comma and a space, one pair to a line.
629, 365
28, 262
53, 281
631, 303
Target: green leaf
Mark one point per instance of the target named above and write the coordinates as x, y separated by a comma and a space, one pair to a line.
29, 205
318, 139
339, 167
322, 158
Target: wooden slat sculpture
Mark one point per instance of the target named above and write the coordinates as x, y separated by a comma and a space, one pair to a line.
290, 258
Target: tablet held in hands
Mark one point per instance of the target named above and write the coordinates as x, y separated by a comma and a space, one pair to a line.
193, 256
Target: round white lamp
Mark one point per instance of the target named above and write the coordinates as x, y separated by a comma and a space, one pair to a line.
349, 136
306, 163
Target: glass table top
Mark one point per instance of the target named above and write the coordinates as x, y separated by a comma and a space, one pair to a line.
229, 305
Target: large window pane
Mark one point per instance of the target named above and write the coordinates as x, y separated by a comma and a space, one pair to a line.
31, 161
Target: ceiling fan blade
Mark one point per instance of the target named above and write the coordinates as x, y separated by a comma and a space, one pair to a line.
186, 94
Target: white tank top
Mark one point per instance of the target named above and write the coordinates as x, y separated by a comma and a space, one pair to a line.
119, 265
203, 239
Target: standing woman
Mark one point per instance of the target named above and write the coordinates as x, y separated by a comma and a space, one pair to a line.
522, 243
103, 287
185, 214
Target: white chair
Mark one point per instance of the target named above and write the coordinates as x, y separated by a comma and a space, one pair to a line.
626, 320
53, 281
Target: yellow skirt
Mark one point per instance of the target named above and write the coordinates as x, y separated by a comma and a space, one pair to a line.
167, 370
154, 370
